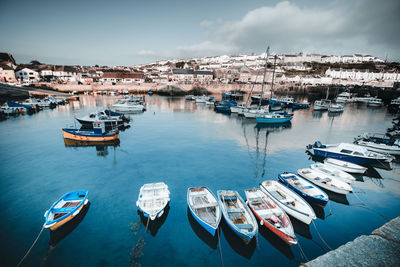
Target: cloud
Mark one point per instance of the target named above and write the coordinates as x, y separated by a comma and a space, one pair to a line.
206, 48
146, 53
341, 27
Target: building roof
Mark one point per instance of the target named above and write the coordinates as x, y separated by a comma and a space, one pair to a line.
123, 75
182, 71
7, 57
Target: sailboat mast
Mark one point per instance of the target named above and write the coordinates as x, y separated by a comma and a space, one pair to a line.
273, 76
265, 71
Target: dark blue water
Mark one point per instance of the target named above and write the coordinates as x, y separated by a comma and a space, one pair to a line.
184, 145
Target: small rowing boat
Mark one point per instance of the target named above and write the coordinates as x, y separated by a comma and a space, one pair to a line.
345, 166
305, 189
204, 207
325, 181
289, 201
332, 171
152, 200
65, 208
237, 215
270, 215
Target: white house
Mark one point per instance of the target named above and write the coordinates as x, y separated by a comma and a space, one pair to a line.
27, 75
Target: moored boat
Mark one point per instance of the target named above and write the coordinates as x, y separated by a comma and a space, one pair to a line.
325, 181
379, 143
152, 199
109, 122
237, 215
97, 134
275, 117
289, 201
348, 152
332, 171
270, 215
65, 209
322, 104
335, 108
204, 207
305, 189
345, 166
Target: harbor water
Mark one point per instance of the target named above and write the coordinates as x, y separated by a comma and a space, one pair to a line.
183, 144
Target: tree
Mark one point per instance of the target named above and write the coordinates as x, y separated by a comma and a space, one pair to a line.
35, 62
180, 65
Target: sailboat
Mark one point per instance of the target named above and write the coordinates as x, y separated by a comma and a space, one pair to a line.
255, 112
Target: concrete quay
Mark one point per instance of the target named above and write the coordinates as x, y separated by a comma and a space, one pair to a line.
380, 248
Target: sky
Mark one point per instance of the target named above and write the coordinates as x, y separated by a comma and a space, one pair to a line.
119, 32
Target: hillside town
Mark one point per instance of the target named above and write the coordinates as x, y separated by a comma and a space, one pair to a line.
298, 69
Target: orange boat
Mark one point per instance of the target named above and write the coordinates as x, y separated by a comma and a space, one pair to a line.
97, 134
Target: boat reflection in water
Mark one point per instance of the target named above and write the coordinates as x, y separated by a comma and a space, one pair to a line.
203, 234
338, 198
154, 225
319, 211
277, 242
301, 228
101, 147
274, 127
59, 234
317, 113
237, 243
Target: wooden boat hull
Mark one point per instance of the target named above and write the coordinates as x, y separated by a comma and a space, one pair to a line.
78, 137
320, 201
208, 227
286, 238
246, 237
298, 214
325, 186
346, 166
70, 212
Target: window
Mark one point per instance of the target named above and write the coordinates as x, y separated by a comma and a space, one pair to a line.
346, 151
358, 153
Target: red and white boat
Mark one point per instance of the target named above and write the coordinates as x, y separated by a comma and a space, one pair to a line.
270, 215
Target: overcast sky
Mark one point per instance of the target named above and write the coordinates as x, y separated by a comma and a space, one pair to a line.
133, 32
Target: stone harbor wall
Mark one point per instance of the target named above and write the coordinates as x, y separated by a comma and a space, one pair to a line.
380, 248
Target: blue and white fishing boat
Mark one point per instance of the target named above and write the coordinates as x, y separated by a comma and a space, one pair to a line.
275, 118
65, 209
225, 107
305, 189
204, 207
237, 214
379, 143
152, 200
348, 152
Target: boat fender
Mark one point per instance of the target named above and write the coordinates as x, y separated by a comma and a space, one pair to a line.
160, 214
75, 213
86, 201
261, 222
137, 203
45, 213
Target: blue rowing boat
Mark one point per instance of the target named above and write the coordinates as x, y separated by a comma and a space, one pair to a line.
237, 214
65, 209
305, 189
225, 107
204, 207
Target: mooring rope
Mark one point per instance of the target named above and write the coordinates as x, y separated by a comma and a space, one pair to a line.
363, 205
320, 237
29, 250
220, 249
330, 209
303, 255
147, 224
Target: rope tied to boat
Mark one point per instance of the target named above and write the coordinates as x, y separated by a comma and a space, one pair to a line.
303, 255
220, 249
147, 224
320, 237
33, 244
363, 205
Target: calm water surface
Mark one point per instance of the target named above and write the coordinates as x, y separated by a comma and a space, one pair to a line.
184, 145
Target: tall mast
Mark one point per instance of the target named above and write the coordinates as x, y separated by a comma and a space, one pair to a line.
273, 75
265, 71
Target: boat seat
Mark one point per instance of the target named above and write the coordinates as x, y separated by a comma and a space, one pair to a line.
245, 226
205, 205
288, 200
305, 187
68, 209
234, 210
